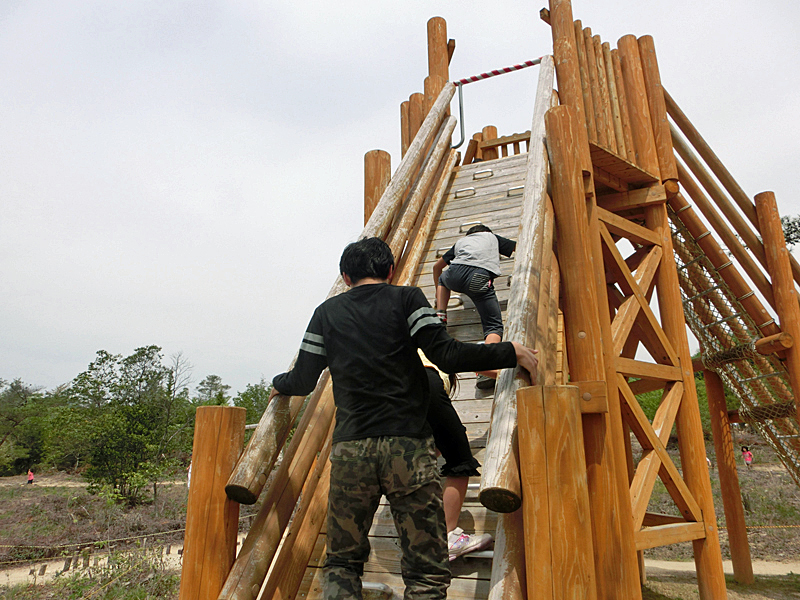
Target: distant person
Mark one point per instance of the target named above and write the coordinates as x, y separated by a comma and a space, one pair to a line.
450, 437
747, 456
30, 477
382, 443
473, 263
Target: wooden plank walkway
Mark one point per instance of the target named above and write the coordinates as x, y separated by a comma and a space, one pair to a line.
490, 202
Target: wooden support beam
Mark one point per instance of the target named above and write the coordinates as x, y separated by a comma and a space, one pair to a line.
605, 97
664, 535
783, 284
405, 127
377, 173
633, 199
438, 53
416, 113
613, 96
638, 105
586, 90
658, 109
601, 126
627, 133
721, 261
212, 519
728, 479
719, 170
500, 485
730, 240
558, 553
615, 558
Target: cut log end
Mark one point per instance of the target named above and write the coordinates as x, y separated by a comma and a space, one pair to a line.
500, 500
240, 494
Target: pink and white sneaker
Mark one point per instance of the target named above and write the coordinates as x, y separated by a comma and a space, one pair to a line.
460, 543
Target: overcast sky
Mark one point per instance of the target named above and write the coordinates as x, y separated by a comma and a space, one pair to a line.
186, 174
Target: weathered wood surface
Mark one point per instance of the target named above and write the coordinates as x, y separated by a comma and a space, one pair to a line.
377, 173
500, 482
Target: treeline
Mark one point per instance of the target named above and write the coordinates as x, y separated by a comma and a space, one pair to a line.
126, 423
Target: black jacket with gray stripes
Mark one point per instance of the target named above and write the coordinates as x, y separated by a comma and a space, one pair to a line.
368, 338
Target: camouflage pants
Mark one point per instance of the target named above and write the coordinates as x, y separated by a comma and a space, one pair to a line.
404, 470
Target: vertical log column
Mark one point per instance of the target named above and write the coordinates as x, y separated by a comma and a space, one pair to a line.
212, 520
780, 271
638, 106
658, 111
612, 525
377, 173
438, 60
489, 133
615, 566
728, 479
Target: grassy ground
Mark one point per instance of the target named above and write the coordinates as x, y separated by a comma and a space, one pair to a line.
56, 515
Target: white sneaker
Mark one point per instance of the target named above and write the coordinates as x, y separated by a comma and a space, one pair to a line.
459, 543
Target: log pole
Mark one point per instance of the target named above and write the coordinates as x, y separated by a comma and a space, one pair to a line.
438, 54
605, 97
627, 133
638, 106
489, 133
728, 479
594, 86
212, 519
405, 128
416, 113
377, 173
782, 282
658, 110
614, 556
580, 47
613, 97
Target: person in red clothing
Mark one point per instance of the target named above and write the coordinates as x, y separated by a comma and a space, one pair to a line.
747, 456
30, 477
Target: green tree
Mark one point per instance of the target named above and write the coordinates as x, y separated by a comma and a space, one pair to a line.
254, 399
20, 439
211, 391
791, 229
133, 414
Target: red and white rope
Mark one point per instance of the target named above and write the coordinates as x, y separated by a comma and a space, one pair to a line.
527, 63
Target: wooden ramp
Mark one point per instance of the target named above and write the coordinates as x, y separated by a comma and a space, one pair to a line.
488, 192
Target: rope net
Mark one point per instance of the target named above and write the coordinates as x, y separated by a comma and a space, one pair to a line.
727, 338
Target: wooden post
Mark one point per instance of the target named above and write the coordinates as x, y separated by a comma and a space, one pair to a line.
489, 133
630, 150
558, 532
405, 128
594, 86
433, 86
605, 99
580, 48
212, 520
416, 113
377, 173
438, 55
728, 479
615, 559
613, 97
782, 282
565, 54
638, 106
707, 554
658, 109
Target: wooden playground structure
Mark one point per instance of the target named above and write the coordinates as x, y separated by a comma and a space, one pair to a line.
604, 196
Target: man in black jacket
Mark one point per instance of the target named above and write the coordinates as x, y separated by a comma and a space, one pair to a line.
382, 444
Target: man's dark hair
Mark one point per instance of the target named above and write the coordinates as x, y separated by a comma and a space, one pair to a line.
370, 257
478, 229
